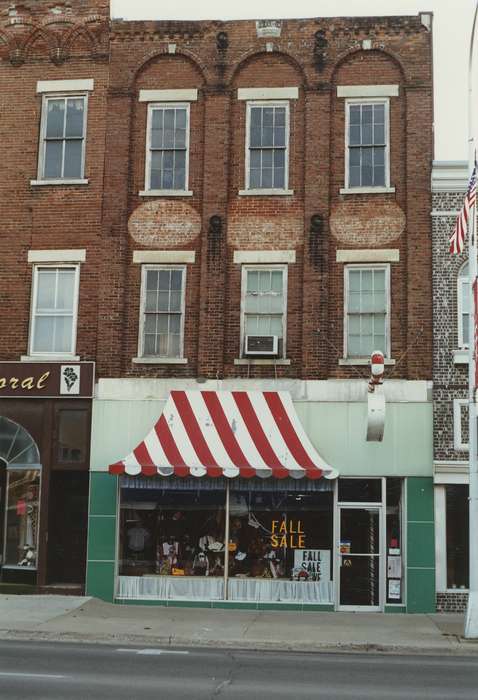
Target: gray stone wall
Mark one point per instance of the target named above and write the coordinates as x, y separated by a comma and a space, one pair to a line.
449, 379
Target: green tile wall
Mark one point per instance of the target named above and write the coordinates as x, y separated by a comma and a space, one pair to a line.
420, 546
100, 575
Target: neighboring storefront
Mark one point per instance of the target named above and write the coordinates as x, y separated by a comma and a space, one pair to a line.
45, 421
177, 522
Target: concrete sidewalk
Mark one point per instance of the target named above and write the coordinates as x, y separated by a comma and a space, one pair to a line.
90, 620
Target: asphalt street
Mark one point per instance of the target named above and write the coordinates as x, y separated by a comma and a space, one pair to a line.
70, 671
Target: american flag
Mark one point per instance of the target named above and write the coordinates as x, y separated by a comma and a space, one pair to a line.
457, 239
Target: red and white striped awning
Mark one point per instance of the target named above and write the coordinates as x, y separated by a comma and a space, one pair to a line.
226, 433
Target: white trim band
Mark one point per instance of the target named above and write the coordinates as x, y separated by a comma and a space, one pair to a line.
268, 93
57, 256
367, 90
168, 95
264, 256
368, 255
65, 85
164, 256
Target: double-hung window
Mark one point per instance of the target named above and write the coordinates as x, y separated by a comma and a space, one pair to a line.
367, 310
264, 303
167, 158
267, 146
54, 310
62, 147
367, 144
463, 307
162, 311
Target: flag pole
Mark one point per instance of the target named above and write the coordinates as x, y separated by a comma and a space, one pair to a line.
471, 620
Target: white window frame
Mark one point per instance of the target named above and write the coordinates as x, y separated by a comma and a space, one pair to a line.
147, 168
386, 268
42, 146
273, 190
368, 188
34, 295
160, 358
459, 286
262, 268
458, 443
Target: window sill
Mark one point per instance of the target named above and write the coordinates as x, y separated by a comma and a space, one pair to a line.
367, 190
460, 357
265, 193
49, 358
159, 360
364, 361
42, 183
165, 193
281, 362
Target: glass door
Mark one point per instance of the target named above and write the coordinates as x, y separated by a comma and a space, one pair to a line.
359, 557
2, 507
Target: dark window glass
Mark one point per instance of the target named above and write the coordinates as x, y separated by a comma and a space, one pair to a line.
394, 541
457, 536
72, 435
360, 490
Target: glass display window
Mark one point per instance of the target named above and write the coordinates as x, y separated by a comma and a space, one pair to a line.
168, 532
22, 518
394, 541
280, 535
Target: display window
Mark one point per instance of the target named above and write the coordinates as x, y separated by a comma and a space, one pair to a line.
457, 536
175, 542
22, 518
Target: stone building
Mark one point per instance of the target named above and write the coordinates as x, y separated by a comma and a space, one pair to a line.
450, 389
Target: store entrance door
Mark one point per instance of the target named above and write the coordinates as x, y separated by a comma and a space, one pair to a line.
360, 558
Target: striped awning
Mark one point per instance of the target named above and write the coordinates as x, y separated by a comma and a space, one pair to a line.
226, 433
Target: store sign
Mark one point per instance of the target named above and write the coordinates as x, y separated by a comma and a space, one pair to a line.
288, 534
316, 562
46, 379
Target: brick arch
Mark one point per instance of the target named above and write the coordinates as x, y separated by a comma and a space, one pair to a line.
351, 53
78, 30
50, 38
159, 53
249, 55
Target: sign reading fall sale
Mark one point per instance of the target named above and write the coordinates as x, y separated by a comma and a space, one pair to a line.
287, 533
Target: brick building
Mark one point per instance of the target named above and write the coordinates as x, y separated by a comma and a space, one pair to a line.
54, 62
245, 211
267, 217
450, 389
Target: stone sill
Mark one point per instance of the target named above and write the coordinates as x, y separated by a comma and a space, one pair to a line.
460, 357
367, 190
50, 358
165, 193
265, 193
58, 182
269, 362
159, 360
351, 361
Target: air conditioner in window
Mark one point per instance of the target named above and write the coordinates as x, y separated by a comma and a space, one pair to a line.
263, 345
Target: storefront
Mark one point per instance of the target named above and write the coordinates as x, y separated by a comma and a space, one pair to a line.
186, 519
45, 419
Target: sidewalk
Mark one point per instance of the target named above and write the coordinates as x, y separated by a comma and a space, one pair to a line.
79, 619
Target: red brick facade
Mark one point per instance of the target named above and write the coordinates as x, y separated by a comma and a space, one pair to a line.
110, 219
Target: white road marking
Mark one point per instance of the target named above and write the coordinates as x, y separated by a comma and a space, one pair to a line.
152, 652
31, 675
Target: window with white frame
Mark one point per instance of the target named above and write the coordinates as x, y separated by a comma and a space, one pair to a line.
463, 298
367, 143
267, 145
460, 424
167, 158
264, 303
162, 311
54, 310
366, 310
62, 141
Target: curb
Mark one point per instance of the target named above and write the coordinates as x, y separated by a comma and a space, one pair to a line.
455, 649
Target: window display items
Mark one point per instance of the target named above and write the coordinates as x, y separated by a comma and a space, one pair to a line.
23, 490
